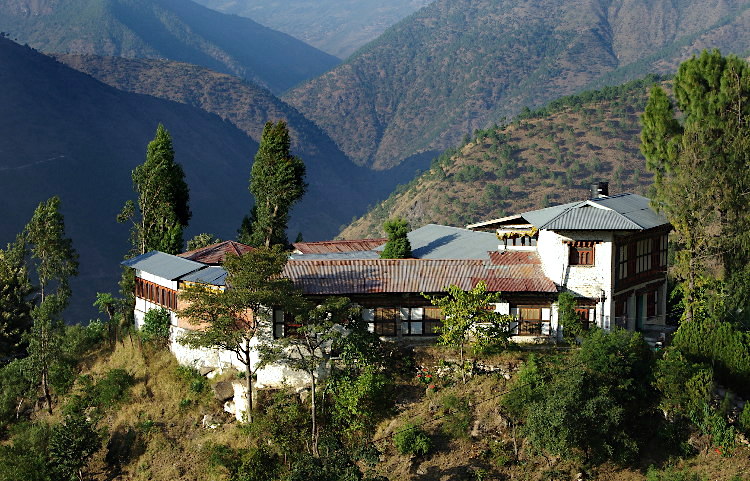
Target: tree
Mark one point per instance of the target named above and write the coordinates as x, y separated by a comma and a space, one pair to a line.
309, 347
465, 314
202, 240
398, 246
55, 262
702, 172
572, 327
230, 318
162, 209
277, 182
245, 232
71, 444
15, 299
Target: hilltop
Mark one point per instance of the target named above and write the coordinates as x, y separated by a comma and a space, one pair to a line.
550, 156
459, 65
174, 29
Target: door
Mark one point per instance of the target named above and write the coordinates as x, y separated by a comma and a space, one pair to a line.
639, 312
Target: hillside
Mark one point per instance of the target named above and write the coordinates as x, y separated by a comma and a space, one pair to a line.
550, 156
249, 107
459, 65
334, 26
66, 134
174, 29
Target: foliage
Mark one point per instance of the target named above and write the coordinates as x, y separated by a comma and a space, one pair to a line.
572, 328
156, 324
254, 284
412, 440
671, 474
465, 312
700, 170
161, 210
26, 457
71, 444
714, 423
55, 261
458, 416
398, 245
684, 386
528, 388
245, 464
744, 420
202, 240
277, 182
361, 401
15, 299
597, 404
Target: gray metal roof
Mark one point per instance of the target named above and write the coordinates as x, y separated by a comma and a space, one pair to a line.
213, 275
163, 265
443, 242
618, 212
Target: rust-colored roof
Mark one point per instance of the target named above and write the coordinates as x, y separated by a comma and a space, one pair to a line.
366, 276
216, 253
508, 258
327, 247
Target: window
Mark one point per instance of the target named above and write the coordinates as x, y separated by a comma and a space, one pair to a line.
284, 324
587, 315
643, 255
531, 319
663, 249
581, 253
652, 303
155, 293
415, 321
622, 262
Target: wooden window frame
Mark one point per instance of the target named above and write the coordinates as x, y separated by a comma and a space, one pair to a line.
581, 253
644, 249
156, 294
286, 327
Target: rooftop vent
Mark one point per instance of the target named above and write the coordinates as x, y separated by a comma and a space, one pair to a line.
600, 189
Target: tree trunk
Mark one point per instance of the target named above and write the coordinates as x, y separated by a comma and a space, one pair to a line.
249, 383
463, 367
45, 388
314, 418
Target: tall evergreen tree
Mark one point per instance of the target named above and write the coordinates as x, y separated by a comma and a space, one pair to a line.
162, 209
15, 298
398, 245
701, 166
277, 182
55, 263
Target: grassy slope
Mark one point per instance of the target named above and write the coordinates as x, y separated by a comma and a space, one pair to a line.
458, 65
551, 156
176, 29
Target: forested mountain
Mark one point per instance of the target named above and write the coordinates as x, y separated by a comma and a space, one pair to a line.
459, 65
550, 156
67, 134
338, 27
175, 29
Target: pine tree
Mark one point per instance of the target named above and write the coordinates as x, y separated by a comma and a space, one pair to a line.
162, 209
701, 166
55, 263
398, 245
277, 182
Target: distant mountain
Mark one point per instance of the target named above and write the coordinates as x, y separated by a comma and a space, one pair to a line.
174, 29
338, 27
550, 156
65, 133
459, 65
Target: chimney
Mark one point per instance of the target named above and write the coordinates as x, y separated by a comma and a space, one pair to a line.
599, 190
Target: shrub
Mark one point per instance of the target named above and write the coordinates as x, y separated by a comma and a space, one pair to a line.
458, 416
156, 324
412, 440
745, 419
671, 474
71, 444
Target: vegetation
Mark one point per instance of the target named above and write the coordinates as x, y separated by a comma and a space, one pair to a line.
398, 245
202, 240
278, 182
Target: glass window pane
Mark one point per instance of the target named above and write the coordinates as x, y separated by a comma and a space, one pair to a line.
416, 328
417, 313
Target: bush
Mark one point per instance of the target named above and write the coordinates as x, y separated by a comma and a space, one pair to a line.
156, 324
412, 440
360, 402
26, 457
671, 474
745, 419
71, 444
458, 416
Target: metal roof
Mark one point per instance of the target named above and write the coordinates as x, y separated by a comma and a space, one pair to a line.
327, 247
338, 255
443, 242
618, 212
163, 265
213, 275
216, 253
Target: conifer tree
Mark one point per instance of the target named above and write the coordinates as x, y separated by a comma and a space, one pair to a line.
15, 298
701, 166
277, 182
162, 209
55, 263
398, 245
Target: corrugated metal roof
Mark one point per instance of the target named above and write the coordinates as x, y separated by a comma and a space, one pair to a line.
326, 247
444, 242
215, 253
338, 256
618, 212
163, 265
213, 275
